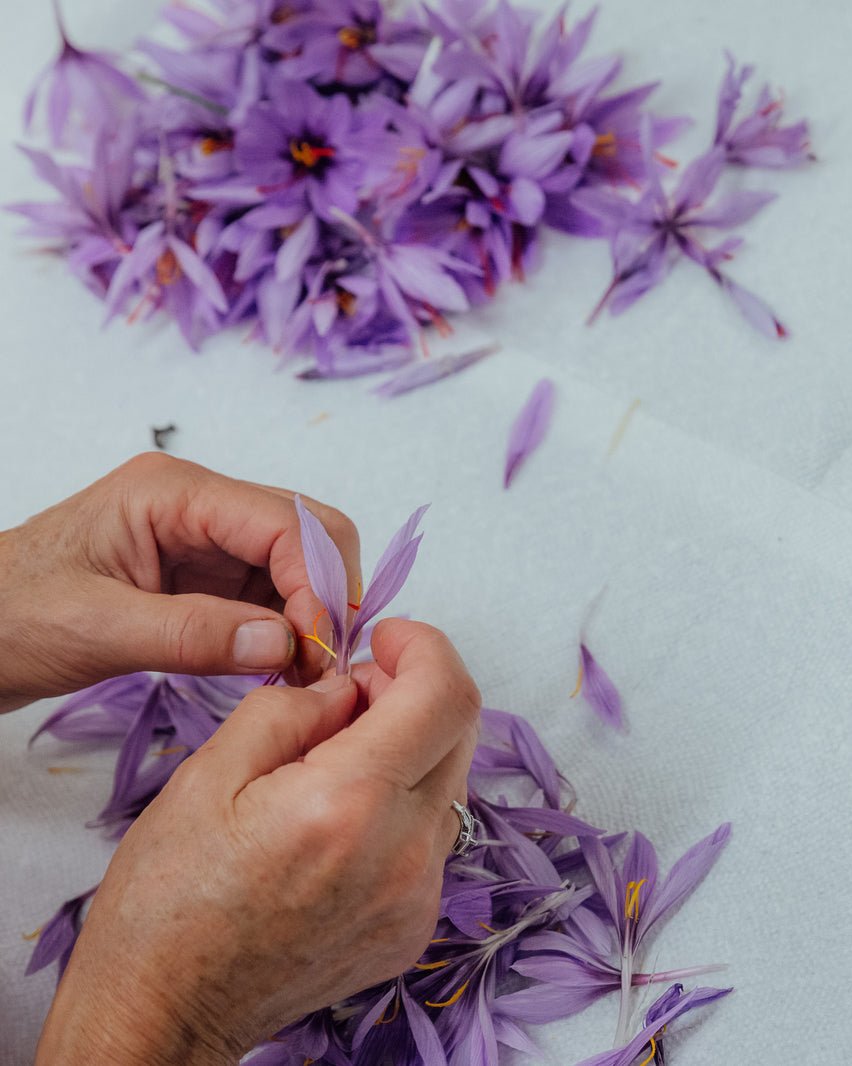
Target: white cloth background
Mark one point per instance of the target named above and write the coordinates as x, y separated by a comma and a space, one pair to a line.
721, 528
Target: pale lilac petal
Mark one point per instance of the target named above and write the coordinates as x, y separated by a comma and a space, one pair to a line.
430, 370
733, 209
201, 276
699, 179
326, 571
529, 428
297, 249
599, 691
754, 310
683, 877
600, 866
386, 583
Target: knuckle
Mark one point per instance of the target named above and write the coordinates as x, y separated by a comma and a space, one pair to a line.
149, 464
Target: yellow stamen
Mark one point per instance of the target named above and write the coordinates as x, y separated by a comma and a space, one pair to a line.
431, 965
579, 684
386, 1021
488, 928
34, 935
308, 154
349, 37
175, 750
605, 145
454, 998
650, 1058
440, 940
631, 899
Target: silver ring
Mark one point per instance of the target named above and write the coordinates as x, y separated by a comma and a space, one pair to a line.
466, 840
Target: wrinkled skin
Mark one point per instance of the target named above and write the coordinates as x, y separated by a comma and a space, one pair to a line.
155, 567
295, 859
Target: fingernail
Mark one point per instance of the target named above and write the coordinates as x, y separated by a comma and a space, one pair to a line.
263, 645
331, 684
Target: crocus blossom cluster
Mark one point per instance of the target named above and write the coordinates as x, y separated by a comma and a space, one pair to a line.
336, 176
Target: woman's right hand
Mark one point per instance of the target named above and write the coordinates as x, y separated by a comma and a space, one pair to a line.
294, 859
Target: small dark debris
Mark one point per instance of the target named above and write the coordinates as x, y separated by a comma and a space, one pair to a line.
161, 436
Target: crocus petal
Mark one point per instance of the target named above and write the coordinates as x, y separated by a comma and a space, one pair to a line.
684, 876
423, 1032
297, 249
754, 310
58, 937
201, 276
386, 583
599, 691
529, 428
326, 570
430, 370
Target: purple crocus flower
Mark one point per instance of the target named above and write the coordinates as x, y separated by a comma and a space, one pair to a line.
327, 575
56, 939
668, 1008
759, 139
648, 235
80, 84
633, 900
299, 139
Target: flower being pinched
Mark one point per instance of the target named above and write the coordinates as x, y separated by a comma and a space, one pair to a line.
327, 575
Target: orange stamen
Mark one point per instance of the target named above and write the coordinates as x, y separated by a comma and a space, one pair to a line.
168, 268
315, 636
432, 965
211, 145
174, 750
605, 145
454, 998
488, 928
440, 940
349, 37
308, 154
65, 770
34, 935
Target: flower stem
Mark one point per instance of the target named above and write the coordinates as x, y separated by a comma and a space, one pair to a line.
626, 983
676, 975
149, 79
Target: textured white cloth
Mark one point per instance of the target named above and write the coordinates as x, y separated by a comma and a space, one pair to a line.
720, 526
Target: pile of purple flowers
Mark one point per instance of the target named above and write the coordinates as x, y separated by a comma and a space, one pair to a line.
339, 177
538, 922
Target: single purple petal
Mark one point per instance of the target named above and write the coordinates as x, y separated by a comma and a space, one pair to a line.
326, 571
386, 583
429, 370
754, 310
57, 938
599, 691
733, 209
201, 276
297, 249
529, 428
423, 1032
603, 874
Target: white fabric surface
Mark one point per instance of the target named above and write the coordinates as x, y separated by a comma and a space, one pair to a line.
721, 528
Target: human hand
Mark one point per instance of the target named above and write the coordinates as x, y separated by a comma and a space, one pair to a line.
294, 859
160, 565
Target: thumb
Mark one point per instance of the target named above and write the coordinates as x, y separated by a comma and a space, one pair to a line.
274, 726
191, 634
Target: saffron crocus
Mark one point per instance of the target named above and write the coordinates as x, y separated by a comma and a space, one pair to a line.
327, 575
56, 939
636, 903
759, 139
80, 85
650, 234
648, 1042
529, 428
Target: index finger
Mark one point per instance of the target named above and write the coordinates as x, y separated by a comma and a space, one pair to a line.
418, 718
